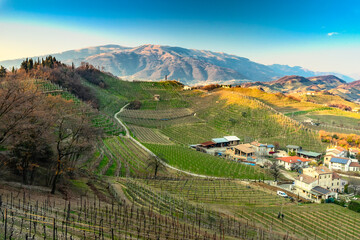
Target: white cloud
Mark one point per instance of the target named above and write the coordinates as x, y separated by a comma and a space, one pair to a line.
332, 34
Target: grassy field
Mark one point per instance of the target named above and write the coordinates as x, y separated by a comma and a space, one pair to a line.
201, 163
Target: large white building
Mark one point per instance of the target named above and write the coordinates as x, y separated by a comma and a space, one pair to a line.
319, 183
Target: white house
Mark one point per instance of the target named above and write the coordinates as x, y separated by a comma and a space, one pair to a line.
186, 87
339, 163
293, 162
336, 151
263, 149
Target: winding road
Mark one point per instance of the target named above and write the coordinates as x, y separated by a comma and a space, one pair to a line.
127, 135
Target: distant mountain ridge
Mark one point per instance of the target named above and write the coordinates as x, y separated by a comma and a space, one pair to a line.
298, 84
190, 66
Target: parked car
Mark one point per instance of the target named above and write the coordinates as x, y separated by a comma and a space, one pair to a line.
282, 194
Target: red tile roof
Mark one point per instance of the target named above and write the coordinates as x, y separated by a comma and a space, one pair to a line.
354, 164
293, 159
335, 176
208, 143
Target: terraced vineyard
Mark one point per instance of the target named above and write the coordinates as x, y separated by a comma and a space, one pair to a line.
199, 215
192, 133
201, 163
158, 118
149, 135
41, 217
132, 158
224, 192
314, 221
260, 208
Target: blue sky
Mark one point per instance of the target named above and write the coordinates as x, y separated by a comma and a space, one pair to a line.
320, 35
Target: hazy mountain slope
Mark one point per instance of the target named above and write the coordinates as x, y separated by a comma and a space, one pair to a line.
76, 56
187, 65
349, 91
190, 66
296, 83
284, 70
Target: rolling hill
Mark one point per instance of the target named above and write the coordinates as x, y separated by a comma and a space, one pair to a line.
294, 83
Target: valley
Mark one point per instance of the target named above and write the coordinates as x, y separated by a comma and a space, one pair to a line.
141, 179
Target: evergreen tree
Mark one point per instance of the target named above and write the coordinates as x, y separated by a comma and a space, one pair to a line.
2, 71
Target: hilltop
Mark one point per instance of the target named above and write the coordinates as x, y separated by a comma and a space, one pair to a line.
294, 83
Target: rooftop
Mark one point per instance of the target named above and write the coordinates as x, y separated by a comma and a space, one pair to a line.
354, 164
246, 148
219, 140
320, 190
208, 143
292, 146
232, 138
339, 160
310, 154
322, 170
293, 159
306, 178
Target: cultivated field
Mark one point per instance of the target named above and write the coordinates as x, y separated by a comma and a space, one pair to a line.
193, 161
149, 135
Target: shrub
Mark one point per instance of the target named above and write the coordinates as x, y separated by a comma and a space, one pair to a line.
134, 105
354, 206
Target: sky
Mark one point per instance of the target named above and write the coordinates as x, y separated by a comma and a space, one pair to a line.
315, 34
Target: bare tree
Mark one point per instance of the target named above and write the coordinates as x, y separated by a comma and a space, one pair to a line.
155, 163
275, 170
19, 101
74, 136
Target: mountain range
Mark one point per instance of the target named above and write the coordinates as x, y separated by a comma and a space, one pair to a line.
190, 66
328, 84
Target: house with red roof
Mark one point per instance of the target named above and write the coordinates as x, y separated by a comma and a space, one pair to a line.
354, 167
293, 162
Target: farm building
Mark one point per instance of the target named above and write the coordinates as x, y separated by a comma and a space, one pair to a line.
187, 88
293, 148
293, 162
309, 155
263, 149
220, 142
208, 144
233, 140
240, 152
319, 183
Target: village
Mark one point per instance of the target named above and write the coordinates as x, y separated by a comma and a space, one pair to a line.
313, 176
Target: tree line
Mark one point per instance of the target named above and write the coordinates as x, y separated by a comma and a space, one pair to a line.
43, 137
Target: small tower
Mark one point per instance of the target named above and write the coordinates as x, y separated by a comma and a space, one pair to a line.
165, 77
